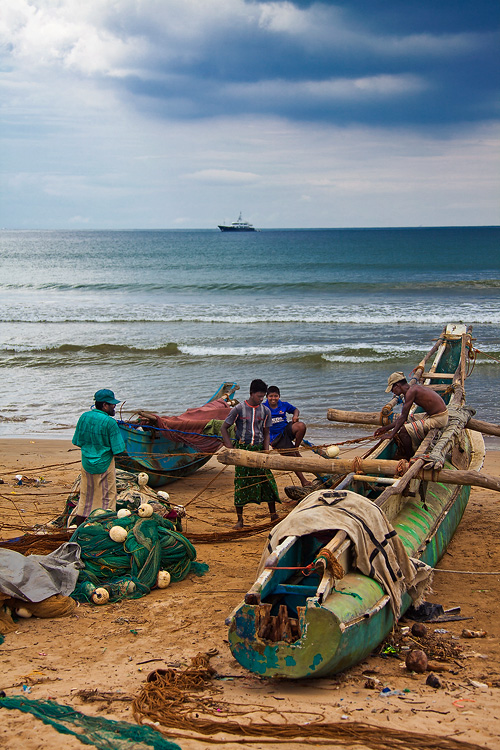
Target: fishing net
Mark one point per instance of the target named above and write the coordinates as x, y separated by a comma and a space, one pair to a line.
91, 730
130, 495
178, 700
129, 569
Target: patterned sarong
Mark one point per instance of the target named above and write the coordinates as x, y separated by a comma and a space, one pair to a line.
254, 485
418, 426
96, 491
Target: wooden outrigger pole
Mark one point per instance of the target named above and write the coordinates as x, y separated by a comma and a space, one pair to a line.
374, 466
377, 418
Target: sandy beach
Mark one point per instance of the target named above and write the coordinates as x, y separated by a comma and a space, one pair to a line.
112, 649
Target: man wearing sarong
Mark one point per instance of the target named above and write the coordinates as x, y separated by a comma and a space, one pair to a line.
252, 421
99, 438
409, 434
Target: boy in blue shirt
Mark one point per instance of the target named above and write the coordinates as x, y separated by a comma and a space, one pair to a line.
285, 435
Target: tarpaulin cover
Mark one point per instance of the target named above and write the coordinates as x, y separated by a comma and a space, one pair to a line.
35, 578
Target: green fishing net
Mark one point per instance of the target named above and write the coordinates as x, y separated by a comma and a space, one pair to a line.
91, 730
129, 569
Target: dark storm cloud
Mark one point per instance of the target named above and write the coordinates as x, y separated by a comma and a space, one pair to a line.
362, 61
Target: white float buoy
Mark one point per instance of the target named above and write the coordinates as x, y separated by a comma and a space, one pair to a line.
142, 479
100, 596
145, 510
118, 533
123, 513
163, 495
163, 579
332, 451
23, 612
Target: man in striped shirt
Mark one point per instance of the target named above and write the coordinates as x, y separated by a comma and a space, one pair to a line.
252, 421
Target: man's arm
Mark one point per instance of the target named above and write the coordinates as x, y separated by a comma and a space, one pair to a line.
224, 431
394, 427
266, 431
116, 441
229, 420
295, 415
266, 436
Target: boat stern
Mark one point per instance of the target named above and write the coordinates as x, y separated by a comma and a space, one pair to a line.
308, 656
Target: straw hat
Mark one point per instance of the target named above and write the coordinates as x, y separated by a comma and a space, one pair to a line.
394, 378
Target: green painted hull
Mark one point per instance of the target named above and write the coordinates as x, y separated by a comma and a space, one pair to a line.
354, 618
345, 629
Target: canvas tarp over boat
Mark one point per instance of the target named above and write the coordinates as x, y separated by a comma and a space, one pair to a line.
378, 551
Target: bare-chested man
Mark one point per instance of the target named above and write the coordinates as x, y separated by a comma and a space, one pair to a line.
410, 434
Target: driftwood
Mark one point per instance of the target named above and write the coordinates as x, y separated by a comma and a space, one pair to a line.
319, 465
373, 418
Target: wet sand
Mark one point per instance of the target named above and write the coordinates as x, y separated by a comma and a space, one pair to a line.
113, 648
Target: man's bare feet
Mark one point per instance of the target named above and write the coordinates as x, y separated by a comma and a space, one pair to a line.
238, 525
274, 517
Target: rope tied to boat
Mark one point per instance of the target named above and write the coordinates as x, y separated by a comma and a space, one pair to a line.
357, 465
402, 467
326, 558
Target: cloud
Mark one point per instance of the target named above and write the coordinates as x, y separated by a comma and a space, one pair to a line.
188, 58
223, 176
302, 113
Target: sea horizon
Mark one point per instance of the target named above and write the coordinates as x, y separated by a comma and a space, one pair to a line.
162, 317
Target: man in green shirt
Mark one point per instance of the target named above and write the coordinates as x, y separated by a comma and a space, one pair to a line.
99, 437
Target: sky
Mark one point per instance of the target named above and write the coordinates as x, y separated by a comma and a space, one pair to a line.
121, 114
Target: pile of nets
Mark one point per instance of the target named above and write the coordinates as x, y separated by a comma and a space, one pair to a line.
129, 569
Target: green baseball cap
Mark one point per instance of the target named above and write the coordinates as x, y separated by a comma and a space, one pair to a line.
105, 396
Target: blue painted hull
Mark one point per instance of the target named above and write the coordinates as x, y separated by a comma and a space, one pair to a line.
163, 460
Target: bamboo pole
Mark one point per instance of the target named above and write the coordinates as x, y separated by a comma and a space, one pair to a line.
383, 467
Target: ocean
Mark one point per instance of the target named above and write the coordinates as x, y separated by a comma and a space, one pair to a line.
163, 317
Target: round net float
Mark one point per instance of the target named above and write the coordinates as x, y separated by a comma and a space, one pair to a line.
123, 513
163, 579
332, 451
118, 533
145, 510
163, 495
23, 612
142, 479
100, 596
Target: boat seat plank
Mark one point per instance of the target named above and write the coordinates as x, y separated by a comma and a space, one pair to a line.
287, 588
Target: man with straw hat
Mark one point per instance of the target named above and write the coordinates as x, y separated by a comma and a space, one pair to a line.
100, 439
409, 434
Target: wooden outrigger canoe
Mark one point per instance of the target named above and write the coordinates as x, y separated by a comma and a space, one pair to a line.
316, 622
178, 448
